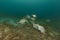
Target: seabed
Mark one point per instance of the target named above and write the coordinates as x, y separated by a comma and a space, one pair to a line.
10, 32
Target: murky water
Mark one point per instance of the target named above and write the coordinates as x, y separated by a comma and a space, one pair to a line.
48, 9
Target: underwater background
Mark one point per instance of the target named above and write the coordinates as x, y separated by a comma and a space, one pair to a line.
44, 9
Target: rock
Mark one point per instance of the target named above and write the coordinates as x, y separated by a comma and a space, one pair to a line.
39, 27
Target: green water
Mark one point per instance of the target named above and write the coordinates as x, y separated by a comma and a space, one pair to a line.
44, 9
